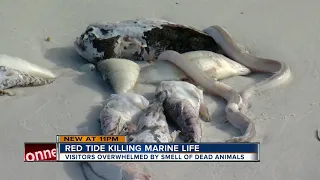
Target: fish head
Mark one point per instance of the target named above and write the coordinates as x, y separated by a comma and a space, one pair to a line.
104, 41
96, 44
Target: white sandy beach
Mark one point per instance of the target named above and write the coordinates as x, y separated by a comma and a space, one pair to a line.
286, 117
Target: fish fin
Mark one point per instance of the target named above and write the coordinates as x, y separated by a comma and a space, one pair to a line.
204, 112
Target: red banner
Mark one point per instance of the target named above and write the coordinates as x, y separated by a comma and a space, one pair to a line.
39, 152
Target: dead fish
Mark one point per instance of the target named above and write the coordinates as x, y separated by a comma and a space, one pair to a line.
120, 74
182, 105
10, 78
120, 113
140, 39
152, 126
214, 65
145, 39
185, 116
184, 90
113, 171
123, 74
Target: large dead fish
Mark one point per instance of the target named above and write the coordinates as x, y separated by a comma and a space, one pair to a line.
145, 39
140, 39
121, 112
182, 105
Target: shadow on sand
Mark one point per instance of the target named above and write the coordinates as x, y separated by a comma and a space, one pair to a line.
69, 65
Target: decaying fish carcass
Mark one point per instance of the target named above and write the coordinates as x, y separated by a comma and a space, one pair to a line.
140, 39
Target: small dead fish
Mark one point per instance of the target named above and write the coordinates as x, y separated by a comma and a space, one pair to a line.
121, 112
140, 39
10, 78
152, 126
120, 74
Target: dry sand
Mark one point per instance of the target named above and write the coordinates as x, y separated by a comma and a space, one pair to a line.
285, 117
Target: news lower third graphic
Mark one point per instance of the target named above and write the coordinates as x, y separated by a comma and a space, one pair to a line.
115, 148
40, 152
